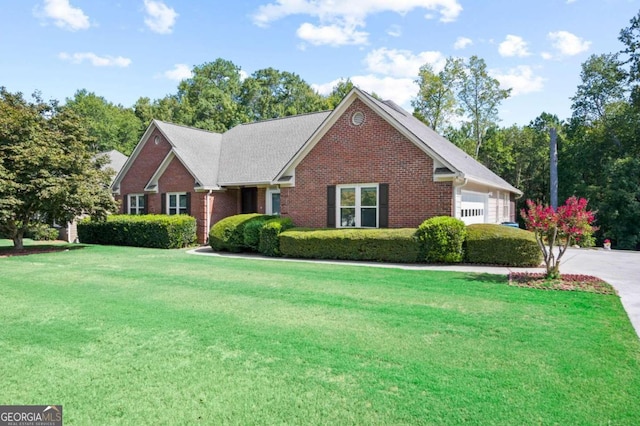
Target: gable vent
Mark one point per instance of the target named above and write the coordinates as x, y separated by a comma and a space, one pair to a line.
357, 118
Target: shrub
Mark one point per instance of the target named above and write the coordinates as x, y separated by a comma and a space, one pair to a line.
251, 232
441, 239
385, 245
41, 232
501, 245
228, 234
154, 231
270, 231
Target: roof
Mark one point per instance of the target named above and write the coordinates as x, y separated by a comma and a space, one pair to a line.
115, 161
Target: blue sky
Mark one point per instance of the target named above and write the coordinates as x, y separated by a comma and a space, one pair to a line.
128, 49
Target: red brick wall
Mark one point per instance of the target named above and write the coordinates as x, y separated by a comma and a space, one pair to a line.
374, 152
225, 204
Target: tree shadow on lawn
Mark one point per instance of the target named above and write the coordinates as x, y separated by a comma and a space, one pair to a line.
38, 249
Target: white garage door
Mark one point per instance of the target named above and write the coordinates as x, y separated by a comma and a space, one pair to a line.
472, 208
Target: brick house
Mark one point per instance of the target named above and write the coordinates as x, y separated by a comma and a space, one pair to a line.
368, 163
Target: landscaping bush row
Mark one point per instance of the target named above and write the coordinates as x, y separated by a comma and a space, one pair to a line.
249, 232
437, 240
155, 231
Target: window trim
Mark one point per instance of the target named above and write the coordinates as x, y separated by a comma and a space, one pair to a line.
358, 206
138, 210
269, 201
177, 207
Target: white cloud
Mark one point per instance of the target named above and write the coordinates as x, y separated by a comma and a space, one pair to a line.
521, 80
568, 44
400, 90
394, 31
95, 60
160, 18
402, 63
462, 42
546, 55
178, 73
333, 35
64, 15
340, 20
513, 46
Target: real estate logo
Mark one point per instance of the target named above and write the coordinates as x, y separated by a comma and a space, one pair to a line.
30, 415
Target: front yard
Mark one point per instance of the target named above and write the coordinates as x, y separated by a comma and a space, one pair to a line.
123, 335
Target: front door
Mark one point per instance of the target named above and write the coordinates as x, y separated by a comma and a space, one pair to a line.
249, 200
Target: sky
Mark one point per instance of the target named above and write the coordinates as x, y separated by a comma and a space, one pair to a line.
124, 50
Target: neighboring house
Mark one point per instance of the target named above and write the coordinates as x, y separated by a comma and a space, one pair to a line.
69, 232
368, 163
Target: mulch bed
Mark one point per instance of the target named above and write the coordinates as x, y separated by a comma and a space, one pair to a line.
566, 282
9, 251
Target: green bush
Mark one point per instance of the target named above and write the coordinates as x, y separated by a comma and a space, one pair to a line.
41, 232
155, 231
441, 239
501, 245
270, 231
251, 232
228, 234
384, 245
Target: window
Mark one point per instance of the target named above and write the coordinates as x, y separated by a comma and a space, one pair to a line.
505, 206
358, 206
136, 204
273, 201
177, 203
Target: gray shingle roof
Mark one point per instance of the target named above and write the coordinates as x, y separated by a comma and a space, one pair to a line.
453, 155
116, 161
199, 150
256, 152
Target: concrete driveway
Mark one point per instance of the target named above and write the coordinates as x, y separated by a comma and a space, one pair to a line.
619, 268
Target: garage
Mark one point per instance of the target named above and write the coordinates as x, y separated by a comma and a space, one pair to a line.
473, 207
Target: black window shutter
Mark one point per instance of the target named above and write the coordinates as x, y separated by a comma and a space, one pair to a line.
146, 204
125, 206
384, 205
331, 206
188, 203
163, 203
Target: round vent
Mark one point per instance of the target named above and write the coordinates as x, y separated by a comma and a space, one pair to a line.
357, 118
156, 140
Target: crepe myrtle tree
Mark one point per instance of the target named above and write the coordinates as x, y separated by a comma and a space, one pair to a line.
557, 228
46, 168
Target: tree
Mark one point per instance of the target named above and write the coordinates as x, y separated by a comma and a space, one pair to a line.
211, 98
436, 103
480, 96
269, 93
339, 91
110, 126
47, 170
602, 85
559, 228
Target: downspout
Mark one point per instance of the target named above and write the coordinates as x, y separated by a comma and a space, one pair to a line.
207, 216
455, 190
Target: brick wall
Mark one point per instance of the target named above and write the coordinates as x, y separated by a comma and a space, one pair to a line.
374, 152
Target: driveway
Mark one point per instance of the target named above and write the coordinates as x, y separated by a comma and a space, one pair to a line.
619, 268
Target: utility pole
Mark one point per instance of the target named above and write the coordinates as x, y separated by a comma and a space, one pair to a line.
553, 166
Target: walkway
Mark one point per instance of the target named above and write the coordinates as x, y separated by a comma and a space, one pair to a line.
619, 268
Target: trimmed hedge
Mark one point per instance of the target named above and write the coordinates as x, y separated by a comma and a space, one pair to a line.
441, 239
384, 245
228, 234
251, 232
154, 231
270, 231
501, 245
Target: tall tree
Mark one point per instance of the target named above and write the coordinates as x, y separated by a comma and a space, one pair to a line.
480, 96
270, 93
47, 170
339, 91
110, 126
436, 103
211, 98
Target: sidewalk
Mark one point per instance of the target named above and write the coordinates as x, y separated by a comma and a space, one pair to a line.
619, 268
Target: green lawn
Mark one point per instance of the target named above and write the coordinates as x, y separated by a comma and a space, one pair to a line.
142, 336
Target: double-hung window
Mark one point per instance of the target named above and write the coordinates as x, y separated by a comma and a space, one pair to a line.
357, 206
177, 203
136, 204
273, 201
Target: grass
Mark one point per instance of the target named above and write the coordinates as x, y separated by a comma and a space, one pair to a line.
137, 336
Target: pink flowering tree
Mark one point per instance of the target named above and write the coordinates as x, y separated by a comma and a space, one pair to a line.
556, 230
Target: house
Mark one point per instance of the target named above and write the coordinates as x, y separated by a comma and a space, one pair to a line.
368, 163
115, 162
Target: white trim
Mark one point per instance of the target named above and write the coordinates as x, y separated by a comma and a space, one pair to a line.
269, 201
138, 196
358, 206
177, 207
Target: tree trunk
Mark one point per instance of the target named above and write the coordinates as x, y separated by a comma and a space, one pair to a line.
18, 242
